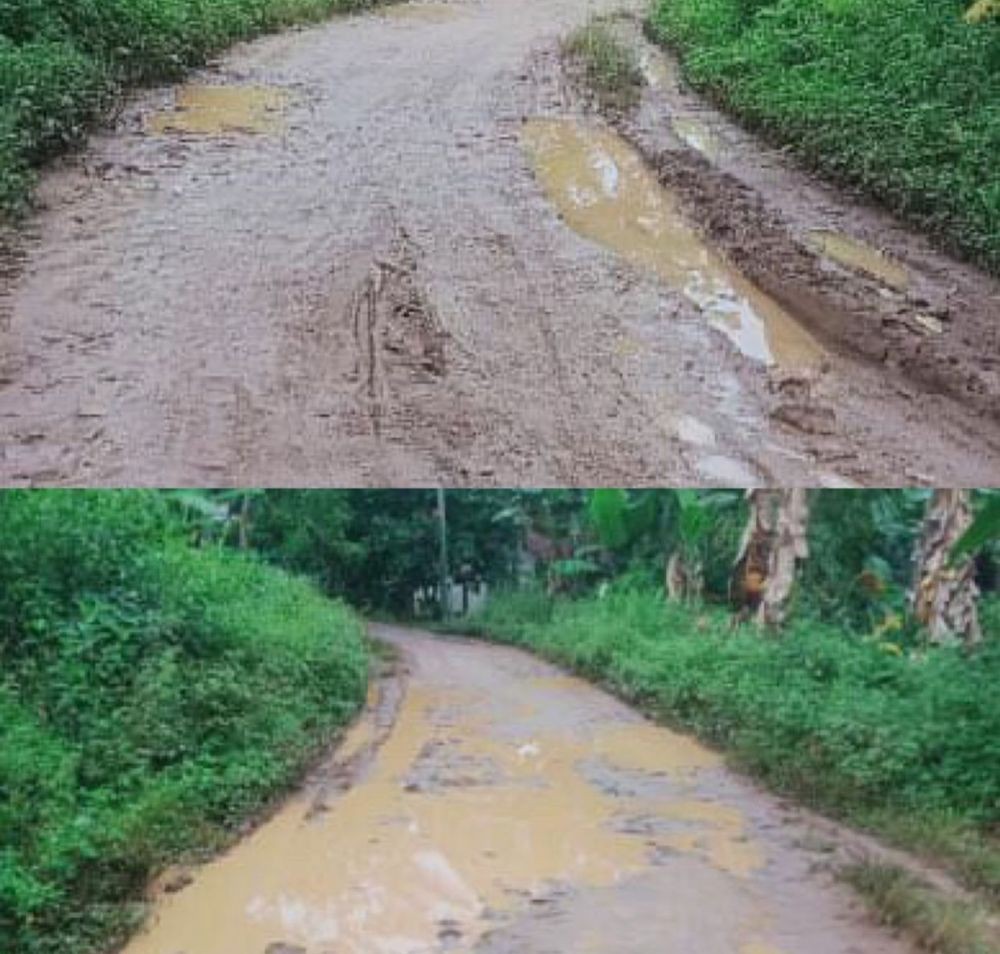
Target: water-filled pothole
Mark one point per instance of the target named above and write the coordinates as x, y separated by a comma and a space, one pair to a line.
860, 257
605, 192
213, 110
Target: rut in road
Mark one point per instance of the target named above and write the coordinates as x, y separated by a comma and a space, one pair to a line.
184, 311
488, 803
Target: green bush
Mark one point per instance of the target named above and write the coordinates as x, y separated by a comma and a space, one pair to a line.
152, 697
899, 98
63, 62
848, 724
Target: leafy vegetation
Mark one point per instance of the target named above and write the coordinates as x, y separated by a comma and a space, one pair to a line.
856, 727
63, 63
898, 98
152, 697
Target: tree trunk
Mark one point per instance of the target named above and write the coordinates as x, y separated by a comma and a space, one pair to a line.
773, 545
944, 595
790, 547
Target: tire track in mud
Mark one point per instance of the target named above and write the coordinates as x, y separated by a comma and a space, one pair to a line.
395, 328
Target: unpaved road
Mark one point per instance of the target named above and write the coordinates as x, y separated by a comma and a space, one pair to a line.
490, 804
366, 282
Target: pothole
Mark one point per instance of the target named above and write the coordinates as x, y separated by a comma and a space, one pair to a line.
605, 192
858, 256
214, 110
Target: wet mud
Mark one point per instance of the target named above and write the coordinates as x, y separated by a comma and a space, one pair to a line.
330, 260
493, 805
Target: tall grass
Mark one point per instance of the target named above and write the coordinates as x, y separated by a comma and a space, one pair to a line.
901, 98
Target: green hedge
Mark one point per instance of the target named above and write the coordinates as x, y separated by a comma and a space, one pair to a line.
909, 742
152, 697
901, 98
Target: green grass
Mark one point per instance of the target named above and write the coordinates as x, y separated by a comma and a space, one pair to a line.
905, 745
64, 63
897, 899
900, 98
152, 698
609, 65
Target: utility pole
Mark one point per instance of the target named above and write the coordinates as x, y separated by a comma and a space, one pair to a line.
443, 569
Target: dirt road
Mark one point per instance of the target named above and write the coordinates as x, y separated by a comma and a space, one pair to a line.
367, 262
490, 804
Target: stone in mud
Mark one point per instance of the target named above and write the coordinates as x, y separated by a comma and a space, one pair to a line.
808, 418
178, 882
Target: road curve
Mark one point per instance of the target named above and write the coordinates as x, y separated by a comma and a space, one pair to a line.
485, 802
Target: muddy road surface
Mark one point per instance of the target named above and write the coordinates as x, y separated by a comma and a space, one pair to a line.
490, 804
396, 248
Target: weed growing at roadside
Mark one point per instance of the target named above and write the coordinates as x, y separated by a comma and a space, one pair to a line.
609, 65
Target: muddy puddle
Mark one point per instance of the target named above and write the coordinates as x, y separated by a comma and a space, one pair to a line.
858, 256
605, 192
464, 817
421, 12
215, 110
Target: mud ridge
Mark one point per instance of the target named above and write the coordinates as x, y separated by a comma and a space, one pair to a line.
341, 770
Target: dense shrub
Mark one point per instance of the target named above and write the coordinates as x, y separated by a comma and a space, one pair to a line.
152, 696
900, 98
852, 725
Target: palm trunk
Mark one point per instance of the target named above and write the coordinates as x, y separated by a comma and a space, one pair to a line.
944, 594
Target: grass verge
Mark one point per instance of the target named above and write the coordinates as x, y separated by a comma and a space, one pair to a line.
153, 698
903, 902
904, 745
65, 63
900, 99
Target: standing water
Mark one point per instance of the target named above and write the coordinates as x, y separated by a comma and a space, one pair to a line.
604, 191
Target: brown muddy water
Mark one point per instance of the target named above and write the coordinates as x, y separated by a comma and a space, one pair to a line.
213, 110
603, 189
859, 256
505, 805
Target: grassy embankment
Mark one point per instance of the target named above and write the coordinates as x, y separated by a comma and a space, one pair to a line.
152, 698
907, 745
64, 63
901, 99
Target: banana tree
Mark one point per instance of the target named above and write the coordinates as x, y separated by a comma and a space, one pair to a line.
774, 544
676, 520
944, 595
